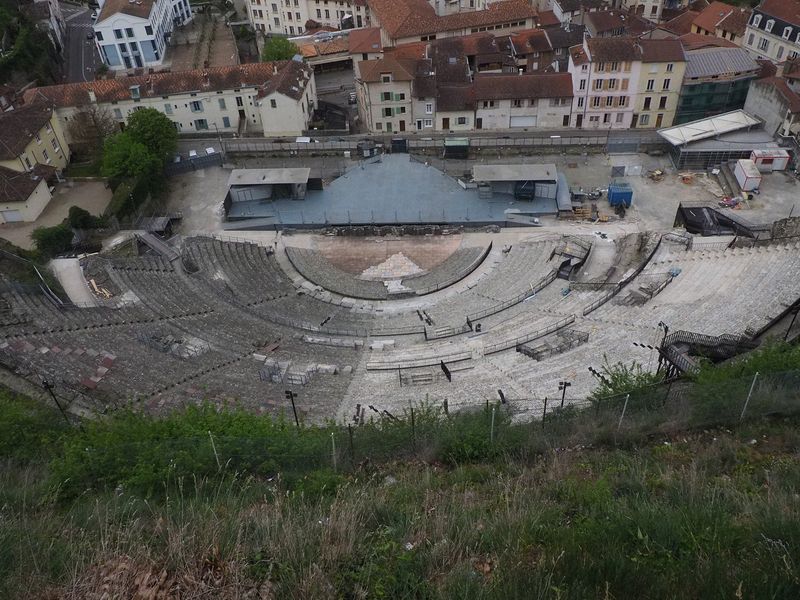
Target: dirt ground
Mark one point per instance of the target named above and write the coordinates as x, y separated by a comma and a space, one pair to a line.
215, 40
89, 195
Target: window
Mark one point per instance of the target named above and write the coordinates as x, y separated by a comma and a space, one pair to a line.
756, 20
598, 84
38, 139
670, 67
226, 122
533, 102
600, 67
750, 39
621, 116
624, 85
148, 30
770, 25
647, 103
55, 145
273, 103
428, 122
596, 101
379, 126
609, 100
239, 101
196, 106
662, 103
129, 32
580, 102
612, 84
400, 97
200, 124
99, 36
461, 120
516, 103
277, 22
327, 14
27, 162
221, 103
623, 101
48, 128
614, 67
118, 34
488, 104
46, 157
582, 84
386, 96
665, 87
606, 118
387, 112
651, 83
787, 32
117, 113
319, 14
168, 109
644, 119
386, 77
565, 121
297, 16
274, 8
429, 109
763, 44
584, 68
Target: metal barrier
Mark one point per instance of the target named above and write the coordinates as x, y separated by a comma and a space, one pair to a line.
535, 289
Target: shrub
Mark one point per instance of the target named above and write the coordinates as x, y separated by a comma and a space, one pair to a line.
51, 241
82, 219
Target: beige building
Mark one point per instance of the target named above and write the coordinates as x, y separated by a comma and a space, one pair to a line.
384, 94
270, 99
659, 85
32, 135
24, 194
290, 17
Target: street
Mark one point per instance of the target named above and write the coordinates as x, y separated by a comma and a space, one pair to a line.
81, 57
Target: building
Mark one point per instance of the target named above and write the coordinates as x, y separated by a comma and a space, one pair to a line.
529, 101
293, 17
135, 34
24, 194
723, 21
569, 11
405, 21
776, 100
614, 23
773, 31
272, 99
30, 136
605, 75
646, 9
658, 90
716, 81
48, 16
384, 93
364, 44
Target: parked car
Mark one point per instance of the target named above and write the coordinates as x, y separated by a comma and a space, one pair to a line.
192, 154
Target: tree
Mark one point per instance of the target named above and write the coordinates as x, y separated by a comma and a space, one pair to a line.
155, 131
51, 241
90, 126
123, 156
79, 218
278, 48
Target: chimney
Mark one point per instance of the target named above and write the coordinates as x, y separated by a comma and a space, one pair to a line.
92, 97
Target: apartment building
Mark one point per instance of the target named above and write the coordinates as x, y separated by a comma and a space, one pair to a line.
524, 101
572, 11
384, 93
776, 102
716, 81
647, 9
723, 21
293, 17
272, 99
773, 31
614, 23
131, 34
32, 150
605, 76
406, 21
659, 86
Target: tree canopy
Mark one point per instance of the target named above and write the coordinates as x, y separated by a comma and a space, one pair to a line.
155, 131
278, 48
124, 156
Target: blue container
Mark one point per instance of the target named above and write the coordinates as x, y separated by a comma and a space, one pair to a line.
620, 193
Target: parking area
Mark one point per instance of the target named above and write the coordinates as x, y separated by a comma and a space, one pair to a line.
199, 194
93, 196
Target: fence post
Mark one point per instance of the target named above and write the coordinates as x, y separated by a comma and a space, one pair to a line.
333, 451
624, 408
491, 430
413, 432
544, 412
352, 450
750, 393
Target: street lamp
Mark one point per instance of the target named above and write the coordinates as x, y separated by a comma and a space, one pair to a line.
562, 387
663, 326
219, 137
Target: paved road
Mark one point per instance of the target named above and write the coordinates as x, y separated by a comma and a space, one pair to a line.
81, 54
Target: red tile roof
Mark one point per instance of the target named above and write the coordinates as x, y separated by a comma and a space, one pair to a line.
488, 86
139, 8
547, 18
408, 18
727, 17
19, 126
401, 69
662, 51
614, 49
17, 186
791, 69
163, 84
695, 41
681, 24
786, 10
365, 40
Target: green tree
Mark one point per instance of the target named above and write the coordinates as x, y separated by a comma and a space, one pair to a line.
155, 131
51, 241
123, 156
82, 219
278, 48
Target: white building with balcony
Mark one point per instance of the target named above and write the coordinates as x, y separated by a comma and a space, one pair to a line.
134, 34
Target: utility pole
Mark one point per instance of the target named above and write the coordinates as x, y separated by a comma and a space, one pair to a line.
49, 387
290, 395
562, 387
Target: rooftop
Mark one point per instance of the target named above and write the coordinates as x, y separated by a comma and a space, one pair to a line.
662, 51
18, 127
695, 41
17, 186
164, 84
490, 86
138, 8
365, 40
615, 49
723, 16
786, 10
545, 172
401, 69
702, 129
681, 24
268, 176
709, 62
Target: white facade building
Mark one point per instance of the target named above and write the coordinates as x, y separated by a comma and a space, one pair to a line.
289, 17
272, 99
132, 34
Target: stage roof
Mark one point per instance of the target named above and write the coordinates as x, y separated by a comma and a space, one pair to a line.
514, 173
268, 176
706, 128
